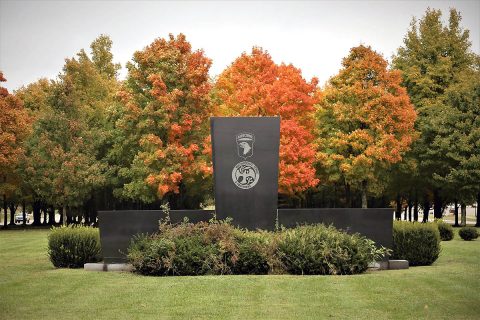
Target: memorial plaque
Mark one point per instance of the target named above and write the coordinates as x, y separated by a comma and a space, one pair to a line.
245, 169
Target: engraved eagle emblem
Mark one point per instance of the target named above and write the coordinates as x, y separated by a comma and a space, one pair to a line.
245, 142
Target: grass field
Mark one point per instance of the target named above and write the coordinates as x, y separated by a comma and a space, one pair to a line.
30, 288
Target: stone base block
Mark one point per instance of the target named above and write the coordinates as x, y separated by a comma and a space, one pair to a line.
119, 267
378, 265
397, 264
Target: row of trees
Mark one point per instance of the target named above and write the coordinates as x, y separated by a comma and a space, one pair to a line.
374, 135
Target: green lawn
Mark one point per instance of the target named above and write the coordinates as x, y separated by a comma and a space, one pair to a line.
30, 288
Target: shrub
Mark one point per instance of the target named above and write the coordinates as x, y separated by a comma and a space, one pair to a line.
72, 247
253, 253
148, 254
445, 229
468, 233
186, 249
419, 243
317, 249
219, 248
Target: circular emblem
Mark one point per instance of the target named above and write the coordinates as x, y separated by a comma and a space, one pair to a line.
245, 175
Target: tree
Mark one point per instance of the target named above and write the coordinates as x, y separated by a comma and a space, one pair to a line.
432, 62
458, 138
14, 128
255, 86
161, 124
365, 122
63, 166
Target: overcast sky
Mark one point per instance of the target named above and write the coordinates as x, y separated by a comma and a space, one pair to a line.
36, 36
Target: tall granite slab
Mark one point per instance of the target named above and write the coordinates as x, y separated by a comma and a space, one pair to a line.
245, 169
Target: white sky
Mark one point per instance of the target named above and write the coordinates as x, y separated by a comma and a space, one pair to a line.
36, 36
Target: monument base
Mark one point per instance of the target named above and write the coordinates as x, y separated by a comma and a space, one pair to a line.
397, 264
101, 266
389, 265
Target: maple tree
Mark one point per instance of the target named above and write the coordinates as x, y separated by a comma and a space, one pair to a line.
365, 122
254, 85
434, 61
161, 123
14, 128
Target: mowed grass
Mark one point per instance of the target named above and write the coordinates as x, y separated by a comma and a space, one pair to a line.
31, 288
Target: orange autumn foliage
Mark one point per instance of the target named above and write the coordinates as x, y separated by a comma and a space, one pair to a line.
255, 86
165, 116
365, 121
14, 127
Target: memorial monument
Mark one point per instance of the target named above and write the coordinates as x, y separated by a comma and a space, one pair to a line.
245, 154
245, 169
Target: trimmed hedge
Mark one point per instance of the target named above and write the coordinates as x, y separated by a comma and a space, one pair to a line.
419, 243
445, 229
468, 233
219, 248
72, 247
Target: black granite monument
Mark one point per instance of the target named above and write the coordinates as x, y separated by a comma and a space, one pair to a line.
245, 163
245, 169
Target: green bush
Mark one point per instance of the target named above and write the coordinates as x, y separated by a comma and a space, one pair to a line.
186, 249
253, 253
468, 233
317, 249
72, 247
148, 254
445, 229
219, 248
419, 243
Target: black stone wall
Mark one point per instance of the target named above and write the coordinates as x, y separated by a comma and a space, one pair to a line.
375, 223
118, 227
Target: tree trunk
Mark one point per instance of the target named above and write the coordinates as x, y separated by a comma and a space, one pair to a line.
426, 209
61, 211
5, 208
348, 196
478, 210
86, 214
456, 214
44, 209
415, 209
67, 219
5, 204
410, 205
464, 215
24, 213
398, 211
364, 194
13, 209
437, 204
37, 214
51, 216
405, 213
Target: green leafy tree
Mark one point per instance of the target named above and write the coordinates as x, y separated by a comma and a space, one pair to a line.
433, 61
64, 163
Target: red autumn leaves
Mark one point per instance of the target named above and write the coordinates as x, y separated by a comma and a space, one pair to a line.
255, 86
169, 99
